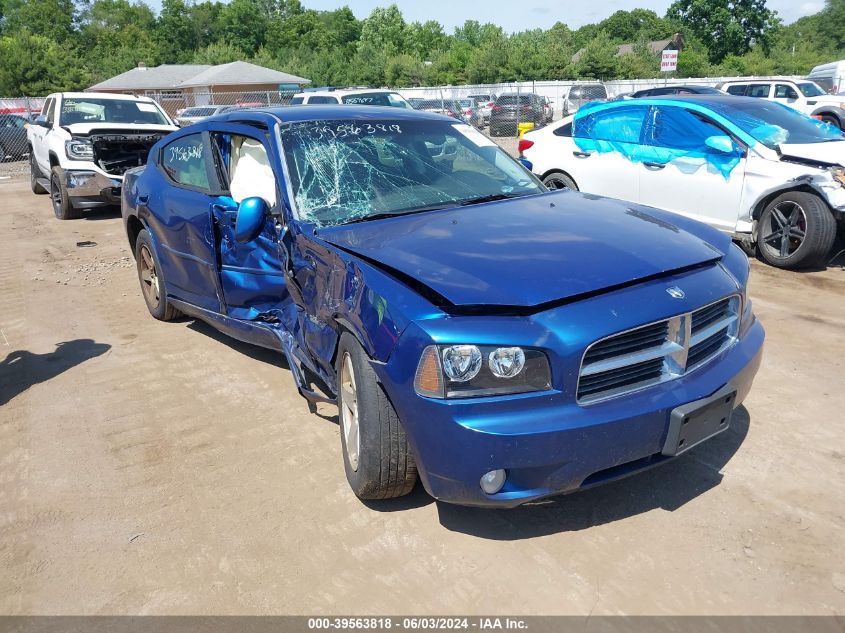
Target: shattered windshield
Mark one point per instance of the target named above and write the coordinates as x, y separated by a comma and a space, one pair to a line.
774, 124
354, 170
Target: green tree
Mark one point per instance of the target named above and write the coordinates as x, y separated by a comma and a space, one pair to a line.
626, 27
54, 19
598, 59
831, 23
641, 63
218, 53
727, 27
34, 65
175, 35
244, 25
384, 31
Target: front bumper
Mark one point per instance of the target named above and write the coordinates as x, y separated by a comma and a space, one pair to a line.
87, 188
547, 443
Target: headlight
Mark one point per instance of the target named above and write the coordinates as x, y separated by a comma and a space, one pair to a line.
463, 371
79, 149
838, 175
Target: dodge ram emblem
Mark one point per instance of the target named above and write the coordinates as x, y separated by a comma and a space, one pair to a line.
675, 292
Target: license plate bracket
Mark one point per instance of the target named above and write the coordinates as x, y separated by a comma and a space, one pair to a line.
697, 421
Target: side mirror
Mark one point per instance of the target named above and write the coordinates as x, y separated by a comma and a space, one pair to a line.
41, 120
721, 143
250, 219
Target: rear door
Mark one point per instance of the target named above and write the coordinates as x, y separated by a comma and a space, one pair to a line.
679, 172
251, 276
607, 146
39, 137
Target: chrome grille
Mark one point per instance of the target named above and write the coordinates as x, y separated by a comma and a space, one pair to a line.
657, 352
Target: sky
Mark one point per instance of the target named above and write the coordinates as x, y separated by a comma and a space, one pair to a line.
527, 14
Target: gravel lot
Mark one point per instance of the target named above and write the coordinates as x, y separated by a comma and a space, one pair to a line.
160, 468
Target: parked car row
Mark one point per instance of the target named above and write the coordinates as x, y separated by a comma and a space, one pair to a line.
759, 171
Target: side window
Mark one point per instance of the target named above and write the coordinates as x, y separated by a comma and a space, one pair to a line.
50, 110
297, 101
782, 91
184, 161
247, 167
737, 91
761, 91
676, 128
617, 125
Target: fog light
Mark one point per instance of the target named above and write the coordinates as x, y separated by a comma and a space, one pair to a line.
492, 482
80, 179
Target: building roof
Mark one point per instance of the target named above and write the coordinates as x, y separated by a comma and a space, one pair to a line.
242, 73
674, 42
176, 76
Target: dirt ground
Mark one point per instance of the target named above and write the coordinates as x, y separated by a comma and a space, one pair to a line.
160, 468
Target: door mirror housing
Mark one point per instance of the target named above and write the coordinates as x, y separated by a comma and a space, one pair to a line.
250, 219
41, 121
721, 143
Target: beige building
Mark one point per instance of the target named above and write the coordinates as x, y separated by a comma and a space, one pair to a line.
176, 86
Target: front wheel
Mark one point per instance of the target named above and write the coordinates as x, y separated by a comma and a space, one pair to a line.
558, 180
832, 121
58, 192
796, 230
376, 455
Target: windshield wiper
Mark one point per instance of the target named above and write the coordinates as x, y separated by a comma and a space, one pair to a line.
393, 214
489, 198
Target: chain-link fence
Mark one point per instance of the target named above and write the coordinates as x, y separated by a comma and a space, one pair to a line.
15, 114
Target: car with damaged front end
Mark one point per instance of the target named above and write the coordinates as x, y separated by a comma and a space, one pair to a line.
498, 341
83, 142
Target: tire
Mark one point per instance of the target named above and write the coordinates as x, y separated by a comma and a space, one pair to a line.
557, 180
34, 173
795, 230
832, 120
153, 286
376, 455
62, 206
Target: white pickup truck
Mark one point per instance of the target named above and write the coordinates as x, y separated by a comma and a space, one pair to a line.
83, 142
804, 96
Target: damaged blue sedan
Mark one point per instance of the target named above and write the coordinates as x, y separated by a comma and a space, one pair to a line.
500, 342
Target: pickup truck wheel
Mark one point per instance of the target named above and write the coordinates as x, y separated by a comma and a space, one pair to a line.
558, 180
58, 193
832, 120
34, 174
796, 230
376, 456
152, 283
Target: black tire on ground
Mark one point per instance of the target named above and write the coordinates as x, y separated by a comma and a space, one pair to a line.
153, 286
796, 230
4, 152
558, 180
34, 173
62, 206
385, 467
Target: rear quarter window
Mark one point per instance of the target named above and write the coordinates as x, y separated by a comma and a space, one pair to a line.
183, 161
737, 91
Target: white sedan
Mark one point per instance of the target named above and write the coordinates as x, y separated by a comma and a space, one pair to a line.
760, 171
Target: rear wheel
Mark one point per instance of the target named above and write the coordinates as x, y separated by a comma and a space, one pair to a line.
376, 455
152, 283
58, 193
34, 175
796, 230
558, 180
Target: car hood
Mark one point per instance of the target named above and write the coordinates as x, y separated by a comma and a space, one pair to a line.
528, 251
128, 128
832, 152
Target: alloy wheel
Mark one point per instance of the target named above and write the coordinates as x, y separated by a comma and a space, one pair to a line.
349, 411
785, 229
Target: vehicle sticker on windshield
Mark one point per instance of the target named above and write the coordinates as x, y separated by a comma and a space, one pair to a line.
474, 135
147, 107
343, 130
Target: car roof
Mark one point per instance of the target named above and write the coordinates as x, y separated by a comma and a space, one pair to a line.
102, 95
328, 112
343, 92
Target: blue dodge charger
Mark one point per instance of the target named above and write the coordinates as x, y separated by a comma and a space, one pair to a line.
501, 342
